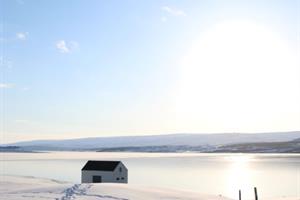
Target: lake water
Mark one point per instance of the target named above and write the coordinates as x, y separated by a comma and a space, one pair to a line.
275, 175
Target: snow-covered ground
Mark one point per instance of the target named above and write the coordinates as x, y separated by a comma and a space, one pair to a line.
31, 188
16, 187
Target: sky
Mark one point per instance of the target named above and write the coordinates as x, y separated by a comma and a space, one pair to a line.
72, 69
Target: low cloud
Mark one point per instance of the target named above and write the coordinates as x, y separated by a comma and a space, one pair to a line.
61, 45
66, 47
173, 11
25, 88
22, 35
6, 85
22, 121
19, 36
163, 19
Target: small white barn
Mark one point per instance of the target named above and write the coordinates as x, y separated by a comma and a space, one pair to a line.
95, 171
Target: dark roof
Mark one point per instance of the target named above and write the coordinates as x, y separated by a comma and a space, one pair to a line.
101, 165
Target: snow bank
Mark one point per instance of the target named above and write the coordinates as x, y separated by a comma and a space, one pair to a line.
15, 188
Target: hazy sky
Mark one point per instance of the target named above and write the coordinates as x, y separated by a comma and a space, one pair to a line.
102, 68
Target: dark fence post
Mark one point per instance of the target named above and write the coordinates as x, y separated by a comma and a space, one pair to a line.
255, 192
240, 195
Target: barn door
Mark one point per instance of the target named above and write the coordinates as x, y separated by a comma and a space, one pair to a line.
97, 179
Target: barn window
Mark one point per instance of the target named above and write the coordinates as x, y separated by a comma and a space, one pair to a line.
122, 178
118, 179
120, 169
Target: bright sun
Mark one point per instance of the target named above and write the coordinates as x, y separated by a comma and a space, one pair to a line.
239, 76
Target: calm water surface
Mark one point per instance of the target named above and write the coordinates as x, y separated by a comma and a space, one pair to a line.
275, 175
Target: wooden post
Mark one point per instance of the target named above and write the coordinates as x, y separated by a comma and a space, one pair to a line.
240, 195
255, 193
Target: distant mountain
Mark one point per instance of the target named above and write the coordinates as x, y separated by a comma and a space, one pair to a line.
159, 149
158, 140
263, 147
297, 140
14, 149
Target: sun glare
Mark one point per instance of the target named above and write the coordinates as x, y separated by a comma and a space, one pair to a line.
234, 71
239, 176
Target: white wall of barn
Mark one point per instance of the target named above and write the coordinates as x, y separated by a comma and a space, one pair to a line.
106, 176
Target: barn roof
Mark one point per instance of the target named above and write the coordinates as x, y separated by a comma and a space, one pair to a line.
97, 165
